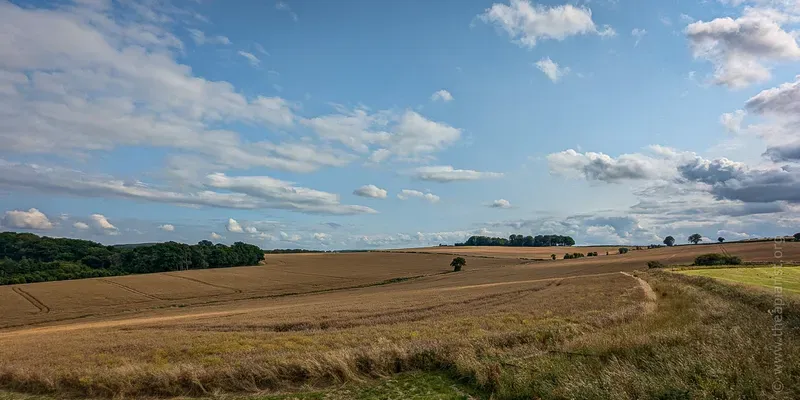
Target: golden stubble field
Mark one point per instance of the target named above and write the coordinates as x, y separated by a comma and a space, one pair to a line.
314, 319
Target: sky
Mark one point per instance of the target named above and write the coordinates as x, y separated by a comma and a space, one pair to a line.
378, 124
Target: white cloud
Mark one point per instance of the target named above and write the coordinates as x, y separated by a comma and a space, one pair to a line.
528, 23
602, 167
408, 135
290, 238
371, 191
167, 228
502, 203
733, 121
442, 95
31, 219
100, 224
233, 226
247, 192
406, 194
446, 173
322, 237
216, 236
72, 77
251, 58
638, 34
282, 194
81, 225
742, 49
283, 6
379, 156
200, 38
552, 69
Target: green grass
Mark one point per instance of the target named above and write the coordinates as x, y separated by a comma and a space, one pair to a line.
788, 277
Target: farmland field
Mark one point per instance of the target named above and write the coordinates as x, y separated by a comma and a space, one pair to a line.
787, 276
310, 323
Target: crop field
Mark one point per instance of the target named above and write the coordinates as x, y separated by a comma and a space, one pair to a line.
331, 325
788, 277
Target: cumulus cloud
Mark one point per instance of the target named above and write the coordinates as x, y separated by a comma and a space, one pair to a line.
101, 224
406, 194
233, 226
528, 23
781, 107
387, 133
733, 121
552, 69
602, 167
167, 228
732, 180
446, 173
31, 219
69, 83
290, 238
371, 191
442, 95
502, 203
216, 236
81, 225
742, 49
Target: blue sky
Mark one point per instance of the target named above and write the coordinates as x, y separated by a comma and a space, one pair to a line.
352, 124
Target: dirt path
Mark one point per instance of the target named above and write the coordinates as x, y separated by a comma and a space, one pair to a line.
33, 300
649, 294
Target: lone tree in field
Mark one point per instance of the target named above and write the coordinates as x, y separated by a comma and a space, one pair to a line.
797, 237
669, 241
695, 238
457, 263
720, 239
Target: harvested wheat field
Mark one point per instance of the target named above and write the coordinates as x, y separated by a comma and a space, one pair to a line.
502, 328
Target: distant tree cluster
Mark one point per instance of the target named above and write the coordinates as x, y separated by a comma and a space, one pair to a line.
27, 258
717, 259
520, 241
623, 250
591, 254
569, 256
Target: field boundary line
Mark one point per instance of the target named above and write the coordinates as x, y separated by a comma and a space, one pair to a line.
32, 299
205, 283
130, 289
559, 278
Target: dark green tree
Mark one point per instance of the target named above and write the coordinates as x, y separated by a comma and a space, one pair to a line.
720, 239
669, 241
695, 238
458, 263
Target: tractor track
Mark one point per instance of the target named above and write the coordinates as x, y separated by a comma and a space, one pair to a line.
43, 308
205, 283
130, 289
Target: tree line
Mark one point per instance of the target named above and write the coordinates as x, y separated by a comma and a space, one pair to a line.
520, 241
27, 258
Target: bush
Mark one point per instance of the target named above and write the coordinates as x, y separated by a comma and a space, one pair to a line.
623, 250
717, 259
655, 264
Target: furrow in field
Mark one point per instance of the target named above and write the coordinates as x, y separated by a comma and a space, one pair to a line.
205, 283
130, 289
38, 304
